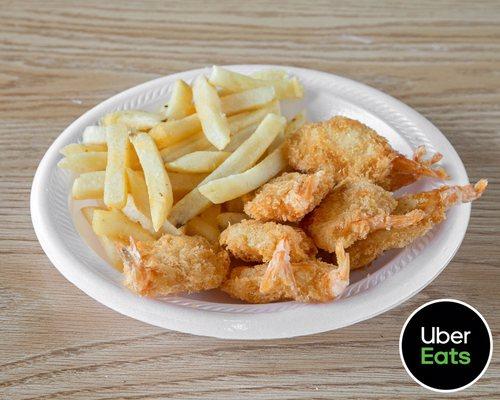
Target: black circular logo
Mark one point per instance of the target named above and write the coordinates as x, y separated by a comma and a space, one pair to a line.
445, 345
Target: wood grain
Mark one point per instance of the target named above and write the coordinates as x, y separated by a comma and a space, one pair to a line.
58, 59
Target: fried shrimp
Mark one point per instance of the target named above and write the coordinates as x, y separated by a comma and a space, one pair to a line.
173, 264
252, 240
289, 197
353, 209
344, 147
307, 281
433, 203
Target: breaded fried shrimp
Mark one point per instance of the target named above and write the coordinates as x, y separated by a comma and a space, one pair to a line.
353, 209
312, 280
252, 240
173, 264
433, 204
344, 147
289, 197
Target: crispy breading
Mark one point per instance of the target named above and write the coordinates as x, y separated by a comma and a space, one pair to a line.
289, 197
433, 203
252, 240
312, 280
173, 264
353, 209
344, 147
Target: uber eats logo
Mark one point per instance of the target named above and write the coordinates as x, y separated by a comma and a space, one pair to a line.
445, 345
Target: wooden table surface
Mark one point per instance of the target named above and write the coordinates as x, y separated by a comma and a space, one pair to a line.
59, 59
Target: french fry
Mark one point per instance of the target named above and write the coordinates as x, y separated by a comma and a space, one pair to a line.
115, 181
134, 119
85, 162
247, 100
208, 108
242, 158
171, 132
210, 214
226, 219
233, 186
239, 137
197, 142
183, 183
235, 82
270, 75
134, 214
139, 191
234, 206
115, 225
167, 227
198, 162
159, 188
107, 244
197, 226
75, 148
181, 101
294, 124
89, 185
94, 135
243, 120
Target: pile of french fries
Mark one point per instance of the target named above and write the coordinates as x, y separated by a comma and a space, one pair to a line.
185, 168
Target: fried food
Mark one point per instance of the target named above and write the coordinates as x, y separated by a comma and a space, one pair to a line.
289, 197
173, 264
351, 211
251, 240
344, 147
433, 203
306, 281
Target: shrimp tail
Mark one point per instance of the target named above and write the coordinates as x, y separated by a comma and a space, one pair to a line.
364, 227
339, 278
463, 194
137, 278
279, 269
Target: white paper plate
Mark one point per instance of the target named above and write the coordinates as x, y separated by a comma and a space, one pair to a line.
395, 277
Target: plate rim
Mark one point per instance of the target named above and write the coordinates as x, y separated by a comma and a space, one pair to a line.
272, 325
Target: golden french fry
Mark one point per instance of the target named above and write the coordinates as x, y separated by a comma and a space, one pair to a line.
243, 157
89, 185
233, 186
167, 227
198, 162
243, 120
171, 132
134, 119
75, 148
234, 206
115, 181
139, 191
208, 108
270, 75
115, 225
159, 188
294, 124
133, 213
94, 135
85, 162
247, 100
106, 243
226, 219
183, 183
239, 137
197, 226
197, 142
210, 214
235, 82
181, 101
